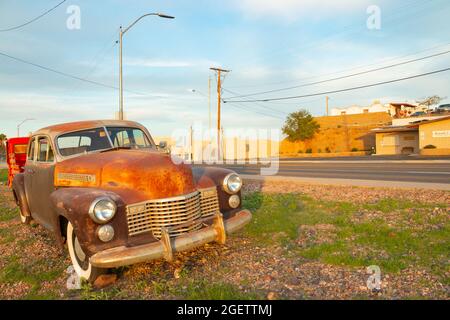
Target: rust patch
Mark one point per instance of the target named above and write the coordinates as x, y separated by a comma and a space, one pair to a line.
133, 174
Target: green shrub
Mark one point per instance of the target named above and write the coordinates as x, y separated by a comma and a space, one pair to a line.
3, 175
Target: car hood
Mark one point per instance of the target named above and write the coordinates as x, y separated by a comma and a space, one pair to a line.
136, 175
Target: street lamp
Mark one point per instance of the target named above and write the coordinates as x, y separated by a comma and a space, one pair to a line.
18, 126
122, 32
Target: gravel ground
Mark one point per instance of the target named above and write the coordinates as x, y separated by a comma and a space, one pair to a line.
348, 193
244, 268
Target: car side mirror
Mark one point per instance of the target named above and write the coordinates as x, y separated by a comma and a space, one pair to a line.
162, 145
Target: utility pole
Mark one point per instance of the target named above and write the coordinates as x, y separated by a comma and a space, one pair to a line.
191, 137
219, 101
209, 104
327, 99
120, 75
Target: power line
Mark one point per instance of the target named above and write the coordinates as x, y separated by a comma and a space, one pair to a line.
258, 104
342, 77
245, 108
344, 70
342, 90
99, 61
100, 56
239, 106
70, 75
33, 20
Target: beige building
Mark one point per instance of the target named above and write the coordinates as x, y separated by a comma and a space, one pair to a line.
434, 136
397, 140
430, 137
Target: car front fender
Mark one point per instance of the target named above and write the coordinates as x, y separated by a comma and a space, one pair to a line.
73, 204
208, 177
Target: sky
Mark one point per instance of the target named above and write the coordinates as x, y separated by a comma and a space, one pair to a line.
267, 45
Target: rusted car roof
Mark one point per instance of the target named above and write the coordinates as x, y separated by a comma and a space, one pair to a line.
58, 129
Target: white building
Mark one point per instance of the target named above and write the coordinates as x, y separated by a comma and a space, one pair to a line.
395, 109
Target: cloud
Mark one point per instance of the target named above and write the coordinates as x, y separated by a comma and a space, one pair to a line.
163, 63
293, 9
255, 73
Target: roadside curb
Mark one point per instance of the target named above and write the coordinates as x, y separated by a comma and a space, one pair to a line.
351, 182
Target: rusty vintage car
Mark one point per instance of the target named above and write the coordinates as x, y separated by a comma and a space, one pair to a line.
111, 194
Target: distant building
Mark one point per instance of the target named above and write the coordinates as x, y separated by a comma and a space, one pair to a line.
232, 148
394, 109
427, 137
359, 110
403, 109
396, 122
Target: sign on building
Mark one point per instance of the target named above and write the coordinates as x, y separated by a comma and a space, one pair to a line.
441, 134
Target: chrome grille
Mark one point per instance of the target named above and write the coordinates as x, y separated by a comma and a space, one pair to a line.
209, 202
178, 215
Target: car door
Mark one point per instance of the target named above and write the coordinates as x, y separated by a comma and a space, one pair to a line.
29, 171
42, 182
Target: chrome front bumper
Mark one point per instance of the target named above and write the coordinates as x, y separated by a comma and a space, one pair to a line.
122, 256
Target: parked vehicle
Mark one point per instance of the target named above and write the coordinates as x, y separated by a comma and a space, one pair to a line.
16, 155
105, 189
444, 108
419, 114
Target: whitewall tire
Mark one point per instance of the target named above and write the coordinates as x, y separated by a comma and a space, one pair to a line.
80, 260
24, 219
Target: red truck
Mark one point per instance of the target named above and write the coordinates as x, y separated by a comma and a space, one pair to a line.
16, 156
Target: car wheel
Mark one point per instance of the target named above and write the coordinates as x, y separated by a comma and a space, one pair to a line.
80, 260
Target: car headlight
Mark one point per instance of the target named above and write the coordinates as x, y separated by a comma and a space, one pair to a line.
102, 210
234, 201
232, 183
105, 233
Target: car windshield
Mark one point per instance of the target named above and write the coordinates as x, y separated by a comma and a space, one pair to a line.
84, 141
92, 140
127, 137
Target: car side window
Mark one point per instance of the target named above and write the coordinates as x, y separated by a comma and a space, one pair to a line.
31, 149
45, 151
121, 139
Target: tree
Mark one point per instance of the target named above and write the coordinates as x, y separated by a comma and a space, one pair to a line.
300, 125
2, 142
430, 101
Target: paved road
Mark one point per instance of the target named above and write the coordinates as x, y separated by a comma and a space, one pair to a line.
361, 170
372, 158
